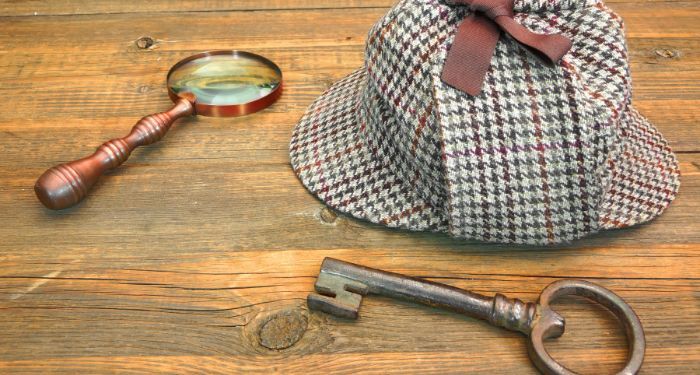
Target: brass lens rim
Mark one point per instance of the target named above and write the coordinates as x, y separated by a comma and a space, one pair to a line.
233, 110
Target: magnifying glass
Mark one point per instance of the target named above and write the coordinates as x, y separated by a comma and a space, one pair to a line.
214, 84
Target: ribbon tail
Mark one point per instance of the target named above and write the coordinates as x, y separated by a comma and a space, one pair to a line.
469, 58
551, 47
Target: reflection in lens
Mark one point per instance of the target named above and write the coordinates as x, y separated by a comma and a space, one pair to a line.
225, 79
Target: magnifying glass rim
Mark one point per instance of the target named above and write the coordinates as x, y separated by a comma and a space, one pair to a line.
231, 110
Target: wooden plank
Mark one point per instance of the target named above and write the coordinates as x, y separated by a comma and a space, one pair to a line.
66, 7
221, 204
216, 30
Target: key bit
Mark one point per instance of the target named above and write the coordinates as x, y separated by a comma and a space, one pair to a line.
337, 295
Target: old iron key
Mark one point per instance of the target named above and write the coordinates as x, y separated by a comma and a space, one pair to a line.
341, 286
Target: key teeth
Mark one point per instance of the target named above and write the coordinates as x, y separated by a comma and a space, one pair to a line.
337, 295
331, 305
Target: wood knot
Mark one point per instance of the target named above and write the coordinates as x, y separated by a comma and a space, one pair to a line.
667, 53
328, 216
144, 89
282, 330
145, 42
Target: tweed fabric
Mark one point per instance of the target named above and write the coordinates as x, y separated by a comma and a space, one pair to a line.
545, 154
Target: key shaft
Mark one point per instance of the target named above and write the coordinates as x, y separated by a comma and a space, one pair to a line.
341, 285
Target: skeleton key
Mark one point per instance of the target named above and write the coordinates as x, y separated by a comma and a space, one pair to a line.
341, 286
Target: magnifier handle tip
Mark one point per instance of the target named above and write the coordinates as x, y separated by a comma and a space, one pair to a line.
67, 184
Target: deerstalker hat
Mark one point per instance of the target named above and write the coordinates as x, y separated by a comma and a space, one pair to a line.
491, 120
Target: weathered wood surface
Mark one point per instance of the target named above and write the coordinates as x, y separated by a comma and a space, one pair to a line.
176, 259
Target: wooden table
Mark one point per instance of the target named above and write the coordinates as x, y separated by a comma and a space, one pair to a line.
179, 259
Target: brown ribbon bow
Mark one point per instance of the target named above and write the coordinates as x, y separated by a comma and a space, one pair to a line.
469, 58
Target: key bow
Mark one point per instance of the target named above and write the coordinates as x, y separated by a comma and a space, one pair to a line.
469, 58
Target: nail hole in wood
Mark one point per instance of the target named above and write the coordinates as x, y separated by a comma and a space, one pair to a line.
328, 83
143, 89
145, 42
328, 216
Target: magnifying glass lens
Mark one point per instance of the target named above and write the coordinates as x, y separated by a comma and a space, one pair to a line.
222, 80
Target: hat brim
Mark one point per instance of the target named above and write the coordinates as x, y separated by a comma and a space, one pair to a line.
336, 162
645, 176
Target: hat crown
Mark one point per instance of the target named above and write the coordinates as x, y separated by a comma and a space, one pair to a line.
535, 141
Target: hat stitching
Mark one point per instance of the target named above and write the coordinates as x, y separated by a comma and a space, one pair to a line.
593, 138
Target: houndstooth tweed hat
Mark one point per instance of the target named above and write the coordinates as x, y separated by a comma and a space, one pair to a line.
524, 152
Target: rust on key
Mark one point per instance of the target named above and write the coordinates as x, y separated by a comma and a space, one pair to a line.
341, 285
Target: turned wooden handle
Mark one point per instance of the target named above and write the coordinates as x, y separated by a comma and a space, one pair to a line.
67, 184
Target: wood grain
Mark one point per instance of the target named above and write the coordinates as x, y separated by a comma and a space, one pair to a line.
156, 273
67, 7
